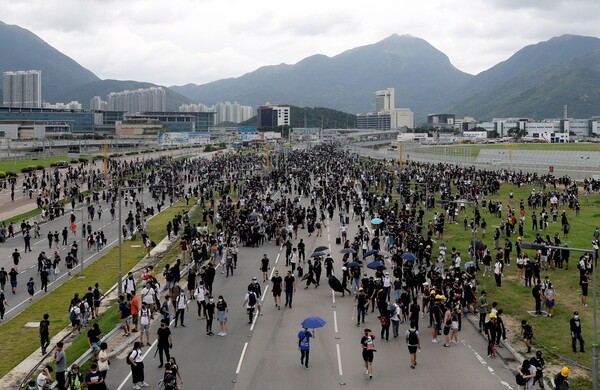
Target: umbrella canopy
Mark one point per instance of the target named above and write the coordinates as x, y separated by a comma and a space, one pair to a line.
321, 248
347, 250
479, 246
369, 253
335, 284
376, 221
469, 264
376, 265
317, 254
313, 322
353, 264
408, 256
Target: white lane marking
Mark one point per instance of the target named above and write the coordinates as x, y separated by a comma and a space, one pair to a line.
339, 359
333, 296
239, 366
335, 327
143, 358
262, 298
277, 258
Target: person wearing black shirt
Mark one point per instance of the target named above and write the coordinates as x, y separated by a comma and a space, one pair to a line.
490, 331
536, 292
164, 341
328, 266
264, 267
539, 364
584, 283
93, 337
45, 333
290, 288
209, 312
276, 282
575, 325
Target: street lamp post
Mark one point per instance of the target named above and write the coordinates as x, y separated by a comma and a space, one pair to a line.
534, 246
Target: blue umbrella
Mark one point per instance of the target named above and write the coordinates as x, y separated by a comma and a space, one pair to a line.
353, 264
375, 265
317, 254
369, 253
408, 256
313, 322
347, 250
376, 221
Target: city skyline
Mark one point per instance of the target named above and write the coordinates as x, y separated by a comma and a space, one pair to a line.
169, 45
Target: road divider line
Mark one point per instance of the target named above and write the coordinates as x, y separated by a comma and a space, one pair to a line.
239, 366
335, 327
255, 317
262, 298
339, 359
333, 295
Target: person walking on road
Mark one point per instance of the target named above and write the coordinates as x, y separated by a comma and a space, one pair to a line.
30, 288
209, 313
136, 358
575, 325
181, 305
264, 267
304, 337
361, 302
290, 287
164, 341
413, 343
368, 349
276, 283
250, 301
16, 256
222, 315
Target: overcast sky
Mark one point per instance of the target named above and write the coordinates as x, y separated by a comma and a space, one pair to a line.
198, 41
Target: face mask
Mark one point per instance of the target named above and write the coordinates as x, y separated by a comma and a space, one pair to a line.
576, 317
210, 300
220, 300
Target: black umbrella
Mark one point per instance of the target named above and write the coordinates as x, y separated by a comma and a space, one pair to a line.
347, 250
321, 248
335, 284
318, 254
376, 265
479, 245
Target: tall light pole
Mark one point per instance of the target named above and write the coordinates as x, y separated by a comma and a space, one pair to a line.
592, 252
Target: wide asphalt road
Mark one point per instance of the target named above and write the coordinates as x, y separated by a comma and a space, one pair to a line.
264, 355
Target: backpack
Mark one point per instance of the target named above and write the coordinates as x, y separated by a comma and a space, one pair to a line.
126, 309
129, 356
251, 299
520, 380
73, 315
44, 327
413, 339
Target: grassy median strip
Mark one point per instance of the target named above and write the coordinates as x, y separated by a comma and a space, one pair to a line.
19, 342
552, 335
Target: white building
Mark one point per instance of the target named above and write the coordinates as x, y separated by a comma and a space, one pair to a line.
72, 105
385, 100
97, 104
141, 100
22, 89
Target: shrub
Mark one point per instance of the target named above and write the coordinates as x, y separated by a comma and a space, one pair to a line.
25, 169
39, 167
53, 164
83, 159
2, 175
10, 173
74, 161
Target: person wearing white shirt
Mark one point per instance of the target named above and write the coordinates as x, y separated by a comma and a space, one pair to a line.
181, 304
457, 261
145, 314
200, 295
395, 317
387, 285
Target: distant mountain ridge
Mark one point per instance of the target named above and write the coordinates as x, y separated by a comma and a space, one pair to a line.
423, 77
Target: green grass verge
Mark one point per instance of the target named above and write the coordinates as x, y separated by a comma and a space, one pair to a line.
515, 299
16, 165
22, 341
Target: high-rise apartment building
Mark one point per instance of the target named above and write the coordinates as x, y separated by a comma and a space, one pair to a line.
97, 104
385, 100
224, 111
22, 89
141, 100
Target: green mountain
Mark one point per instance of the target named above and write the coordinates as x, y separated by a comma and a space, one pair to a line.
542, 93
325, 118
423, 77
102, 88
23, 50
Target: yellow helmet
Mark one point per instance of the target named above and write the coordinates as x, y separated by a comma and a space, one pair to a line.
492, 315
564, 371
